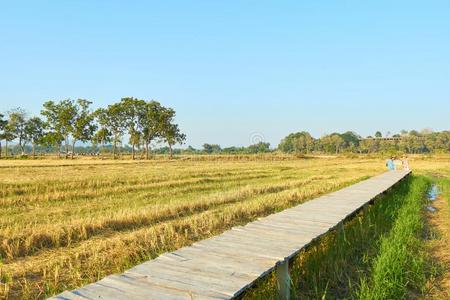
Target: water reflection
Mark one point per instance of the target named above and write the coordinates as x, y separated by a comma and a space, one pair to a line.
433, 192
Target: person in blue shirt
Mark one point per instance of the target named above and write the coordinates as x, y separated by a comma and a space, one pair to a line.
390, 164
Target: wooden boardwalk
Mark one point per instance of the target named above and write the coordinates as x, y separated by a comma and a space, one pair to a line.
224, 266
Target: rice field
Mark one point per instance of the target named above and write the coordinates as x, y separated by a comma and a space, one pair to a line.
67, 223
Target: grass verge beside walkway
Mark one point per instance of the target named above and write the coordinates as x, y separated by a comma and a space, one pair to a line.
400, 271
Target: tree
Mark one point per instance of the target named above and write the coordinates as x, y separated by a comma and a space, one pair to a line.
409, 142
152, 123
212, 148
61, 118
260, 147
414, 133
16, 126
53, 139
442, 141
8, 136
378, 134
102, 136
332, 143
134, 140
190, 150
83, 127
134, 111
309, 142
3, 124
406, 144
233, 150
351, 140
34, 129
113, 121
403, 132
338, 142
365, 145
300, 142
172, 135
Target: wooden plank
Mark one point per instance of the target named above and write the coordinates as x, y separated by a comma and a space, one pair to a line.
99, 291
245, 254
257, 266
227, 270
263, 237
341, 213
194, 253
294, 229
66, 295
230, 268
299, 233
320, 218
292, 217
199, 284
140, 288
324, 219
271, 246
300, 227
238, 246
216, 270
329, 211
234, 240
194, 275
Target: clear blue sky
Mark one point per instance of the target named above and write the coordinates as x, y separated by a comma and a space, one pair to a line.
235, 68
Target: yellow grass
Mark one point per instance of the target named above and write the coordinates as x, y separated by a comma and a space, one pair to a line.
67, 223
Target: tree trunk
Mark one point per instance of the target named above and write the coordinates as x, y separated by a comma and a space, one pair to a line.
132, 151
66, 146
170, 151
114, 149
34, 150
6, 148
58, 149
73, 148
0, 149
147, 154
22, 147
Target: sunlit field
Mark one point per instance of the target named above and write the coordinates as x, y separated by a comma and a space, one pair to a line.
65, 223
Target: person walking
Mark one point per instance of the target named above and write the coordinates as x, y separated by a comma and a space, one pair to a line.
405, 163
390, 164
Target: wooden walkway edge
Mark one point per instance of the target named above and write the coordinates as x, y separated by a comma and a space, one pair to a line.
224, 266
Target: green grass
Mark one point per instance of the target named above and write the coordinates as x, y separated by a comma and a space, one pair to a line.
399, 268
444, 186
439, 246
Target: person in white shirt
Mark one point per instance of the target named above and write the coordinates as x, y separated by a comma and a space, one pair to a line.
405, 163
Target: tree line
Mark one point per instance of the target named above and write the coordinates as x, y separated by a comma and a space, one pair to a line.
425, 141
64, 123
